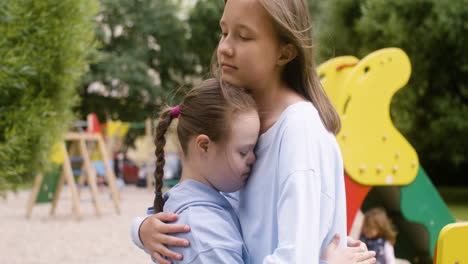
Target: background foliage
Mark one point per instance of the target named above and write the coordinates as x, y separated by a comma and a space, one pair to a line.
44, 49
205, 31
143, 59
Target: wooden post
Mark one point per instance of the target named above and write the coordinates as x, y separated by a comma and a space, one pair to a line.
148, 127
110, 176
149, 176
90, 173
68, 173
35, 192
67, 176
57, 192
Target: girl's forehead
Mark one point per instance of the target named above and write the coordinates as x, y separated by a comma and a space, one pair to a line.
243, 4
245, 126
247, 12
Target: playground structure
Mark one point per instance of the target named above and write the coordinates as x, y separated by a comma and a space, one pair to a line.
381, 167
47, 186
95, 153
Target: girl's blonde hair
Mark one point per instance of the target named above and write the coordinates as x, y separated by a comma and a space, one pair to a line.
377, 218
292, 21
206, 109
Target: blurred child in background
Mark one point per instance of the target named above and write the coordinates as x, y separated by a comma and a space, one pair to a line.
379, 235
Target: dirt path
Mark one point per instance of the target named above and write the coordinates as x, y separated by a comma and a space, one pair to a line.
62, 239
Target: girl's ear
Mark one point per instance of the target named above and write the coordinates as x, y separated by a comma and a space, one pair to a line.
202, 144
287, 53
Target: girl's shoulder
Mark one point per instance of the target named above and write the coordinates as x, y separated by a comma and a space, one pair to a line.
301, 113
303, 120
299, 110
299, 123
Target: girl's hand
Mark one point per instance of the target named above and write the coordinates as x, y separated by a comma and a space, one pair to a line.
348, 255
355, 243
154, 236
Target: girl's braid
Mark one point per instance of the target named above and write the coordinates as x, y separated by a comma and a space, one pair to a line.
160, 141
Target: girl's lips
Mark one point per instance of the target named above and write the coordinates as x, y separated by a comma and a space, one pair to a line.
228, 67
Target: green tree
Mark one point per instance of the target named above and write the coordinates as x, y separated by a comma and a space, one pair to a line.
431, 111
204, 32
44, 50
143, 59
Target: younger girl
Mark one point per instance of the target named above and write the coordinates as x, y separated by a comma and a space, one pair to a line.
217, 130
379, 236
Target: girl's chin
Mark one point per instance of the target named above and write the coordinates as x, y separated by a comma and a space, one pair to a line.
232, 81
234, 187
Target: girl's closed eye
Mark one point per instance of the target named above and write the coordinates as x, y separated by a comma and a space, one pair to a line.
244, 38
245, 151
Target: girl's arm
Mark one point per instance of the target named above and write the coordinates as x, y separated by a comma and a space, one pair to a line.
152, 234
157, 244
389, 253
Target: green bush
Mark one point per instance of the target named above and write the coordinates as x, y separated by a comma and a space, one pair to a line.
44, 49
431, 111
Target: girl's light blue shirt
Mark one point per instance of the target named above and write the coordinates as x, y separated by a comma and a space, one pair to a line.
215, 234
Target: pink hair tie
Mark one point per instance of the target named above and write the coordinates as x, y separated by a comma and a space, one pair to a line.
175, 112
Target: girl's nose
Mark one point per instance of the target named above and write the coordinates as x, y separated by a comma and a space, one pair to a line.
225, 49
252, 159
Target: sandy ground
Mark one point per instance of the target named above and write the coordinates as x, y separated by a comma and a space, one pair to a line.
63, 239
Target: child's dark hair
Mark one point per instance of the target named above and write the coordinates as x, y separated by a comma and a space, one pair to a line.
377, 218
206, 109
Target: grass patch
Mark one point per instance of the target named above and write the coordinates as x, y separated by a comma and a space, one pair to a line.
456, 199
460, 212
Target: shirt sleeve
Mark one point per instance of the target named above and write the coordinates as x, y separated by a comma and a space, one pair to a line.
389, 253
135, 230
298, 220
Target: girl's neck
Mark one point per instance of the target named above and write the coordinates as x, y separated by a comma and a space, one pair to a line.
190, 172
272, 101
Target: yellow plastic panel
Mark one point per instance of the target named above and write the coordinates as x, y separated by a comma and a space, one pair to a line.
117, 128
332, 79
453, 244
374, 152
57, 155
